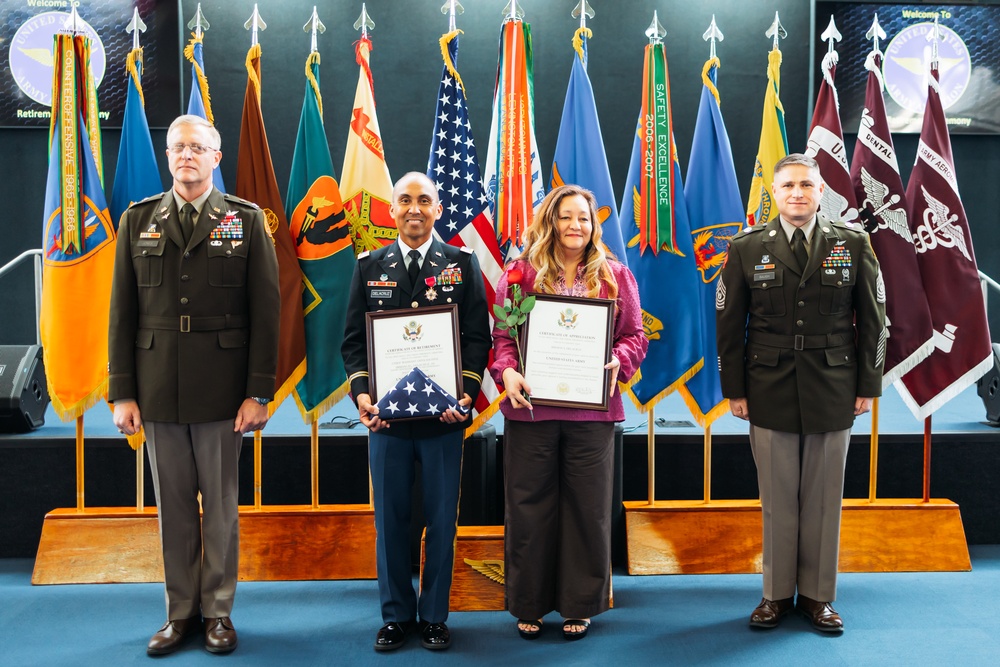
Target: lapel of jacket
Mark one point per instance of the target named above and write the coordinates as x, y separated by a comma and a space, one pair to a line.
211, 213
824, 236
392, 265
167, 216
776, 244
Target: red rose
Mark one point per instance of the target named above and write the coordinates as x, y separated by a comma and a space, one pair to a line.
514, 277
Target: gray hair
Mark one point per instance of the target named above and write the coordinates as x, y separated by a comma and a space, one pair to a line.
197, 121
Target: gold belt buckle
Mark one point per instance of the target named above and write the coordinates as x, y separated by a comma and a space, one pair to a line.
185, 324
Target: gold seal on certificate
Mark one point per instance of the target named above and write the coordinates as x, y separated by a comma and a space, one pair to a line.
399, 340
567, 343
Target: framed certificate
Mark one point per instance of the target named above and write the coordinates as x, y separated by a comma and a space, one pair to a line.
567, 343
426, 338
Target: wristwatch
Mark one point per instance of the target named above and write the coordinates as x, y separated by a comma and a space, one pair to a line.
262, 401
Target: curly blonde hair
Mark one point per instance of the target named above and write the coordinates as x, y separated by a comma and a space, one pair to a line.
542, 240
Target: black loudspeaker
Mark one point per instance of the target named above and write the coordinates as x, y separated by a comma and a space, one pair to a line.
23, 392
988, 388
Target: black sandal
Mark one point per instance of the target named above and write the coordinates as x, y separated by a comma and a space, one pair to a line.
569, 635
529, 634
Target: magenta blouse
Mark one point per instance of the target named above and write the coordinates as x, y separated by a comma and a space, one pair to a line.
629, 344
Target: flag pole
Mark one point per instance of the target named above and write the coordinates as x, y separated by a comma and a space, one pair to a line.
140, 480
708, 464
79, 461
927, 460
651, 455
873, 449
314, 462
258, 441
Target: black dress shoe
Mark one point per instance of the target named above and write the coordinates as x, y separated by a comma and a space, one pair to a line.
822, 615
220, 635
169, 638
435, 636
391, 636
769, 612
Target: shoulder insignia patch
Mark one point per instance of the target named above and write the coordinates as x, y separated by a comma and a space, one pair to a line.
467, 250
364, 254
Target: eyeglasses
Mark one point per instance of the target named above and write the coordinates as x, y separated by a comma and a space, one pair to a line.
197, 149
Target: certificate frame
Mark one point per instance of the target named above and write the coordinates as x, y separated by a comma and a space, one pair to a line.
400, 338
556, 350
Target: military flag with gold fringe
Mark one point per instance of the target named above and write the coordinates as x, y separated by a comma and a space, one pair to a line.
772, 147
322, 239
963, 352
77, 239
716, 212
659, 250
882, 198
826, 146
580, 157
200, 101
513, 172
364, 181
136, 173
255, 181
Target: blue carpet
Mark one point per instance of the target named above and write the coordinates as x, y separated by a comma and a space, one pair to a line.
891, 619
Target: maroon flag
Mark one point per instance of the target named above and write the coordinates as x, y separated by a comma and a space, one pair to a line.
826, 146
879, 189
948, 269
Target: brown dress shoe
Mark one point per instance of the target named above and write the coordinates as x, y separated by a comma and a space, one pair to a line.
769, 612
169, 638
220, 635
822, 615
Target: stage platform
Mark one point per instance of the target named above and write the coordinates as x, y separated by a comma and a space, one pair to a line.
37, 469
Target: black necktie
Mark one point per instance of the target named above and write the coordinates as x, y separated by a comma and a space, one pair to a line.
414, 267
187, 222
799, 248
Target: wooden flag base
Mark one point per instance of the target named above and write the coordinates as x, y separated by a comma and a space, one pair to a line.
724, 536
277, 543
477, 580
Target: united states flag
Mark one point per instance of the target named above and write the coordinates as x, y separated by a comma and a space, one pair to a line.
416, 395
453, 166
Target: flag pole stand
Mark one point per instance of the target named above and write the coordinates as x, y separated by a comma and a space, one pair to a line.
651, 457
79, 464
873, 455
277, 542
708, 464
140, 479
724, 536
314, 462
258, 442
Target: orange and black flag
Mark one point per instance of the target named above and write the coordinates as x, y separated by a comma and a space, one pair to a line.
255, 181
78, 239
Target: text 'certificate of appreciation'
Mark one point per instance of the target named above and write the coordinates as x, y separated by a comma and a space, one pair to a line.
424, 338
567, 343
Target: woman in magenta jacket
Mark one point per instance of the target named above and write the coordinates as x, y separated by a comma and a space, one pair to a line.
558, 462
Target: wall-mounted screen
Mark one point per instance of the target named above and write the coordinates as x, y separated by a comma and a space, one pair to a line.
968, 57
27, 29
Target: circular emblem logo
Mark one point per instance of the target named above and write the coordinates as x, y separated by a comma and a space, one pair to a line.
31, 59
907, 66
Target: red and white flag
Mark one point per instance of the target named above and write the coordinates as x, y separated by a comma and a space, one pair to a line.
948, 269
826, 146
882, 208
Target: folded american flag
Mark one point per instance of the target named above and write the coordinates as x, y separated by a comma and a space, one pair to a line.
416, 395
